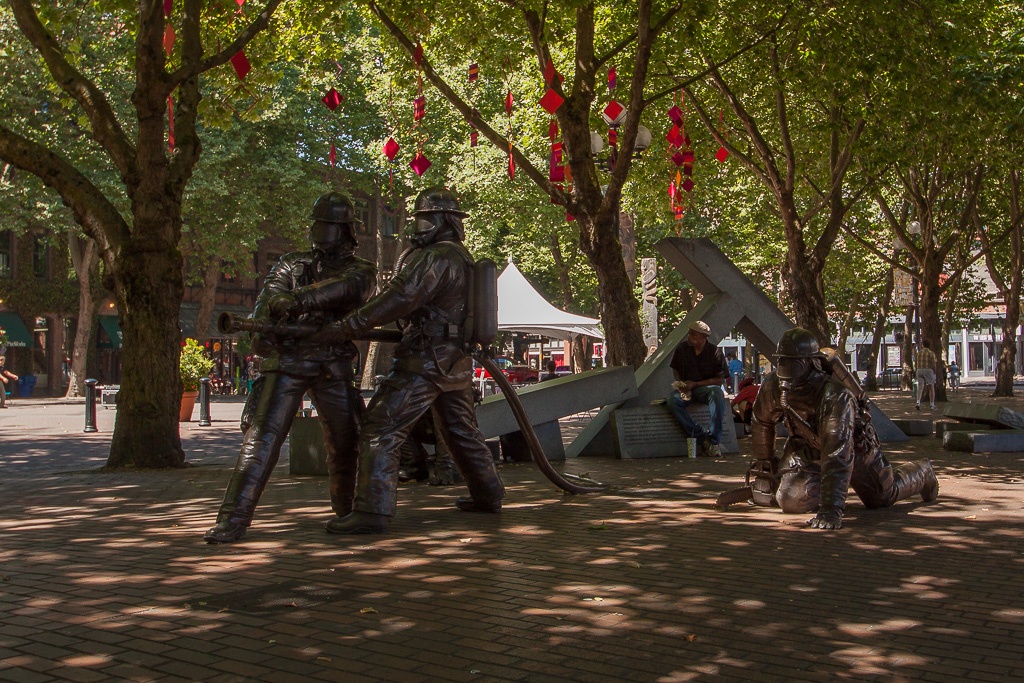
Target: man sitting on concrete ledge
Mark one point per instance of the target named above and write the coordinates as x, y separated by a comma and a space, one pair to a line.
699, 369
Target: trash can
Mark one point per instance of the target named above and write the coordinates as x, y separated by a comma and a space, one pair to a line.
26, 385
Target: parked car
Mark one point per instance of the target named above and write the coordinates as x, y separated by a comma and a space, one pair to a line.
503, 363
563, 370
521, 374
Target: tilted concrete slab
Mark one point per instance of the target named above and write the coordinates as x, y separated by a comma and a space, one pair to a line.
914, 427
992, 441
730, 300
548, 401
983, 413
943, 426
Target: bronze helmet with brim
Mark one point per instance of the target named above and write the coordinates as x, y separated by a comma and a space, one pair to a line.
334, 220
436, 216
795, 358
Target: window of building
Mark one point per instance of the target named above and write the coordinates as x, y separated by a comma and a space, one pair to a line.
388, 227
363, 214
40, 258
6, 255
225, 276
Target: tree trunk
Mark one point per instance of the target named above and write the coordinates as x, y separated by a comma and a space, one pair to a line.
85, 258
805, 294
1007, 367
878, 333
620, 311
149, 286
207, 299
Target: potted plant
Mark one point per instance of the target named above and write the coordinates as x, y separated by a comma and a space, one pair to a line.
192, 366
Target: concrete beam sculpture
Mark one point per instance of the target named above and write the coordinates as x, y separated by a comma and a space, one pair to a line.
730, 300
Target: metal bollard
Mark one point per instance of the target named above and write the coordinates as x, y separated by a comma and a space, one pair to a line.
90, 406
204, 402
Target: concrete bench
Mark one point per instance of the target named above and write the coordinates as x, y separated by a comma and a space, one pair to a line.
653, 432
993, 441
545, 403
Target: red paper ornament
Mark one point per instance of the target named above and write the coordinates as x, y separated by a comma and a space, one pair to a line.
511, 164
613, 113
677, 158
168, 5
242, 66
169, 39
674, 137
333, 155
332, 99
508, 103
722, 154
688, 185
419, 108
420, 163
474, 71
417, 54
676, 114
170, 123
569, 217
672, 190
678, 212
552, 130
551, 101
613, 138
391, 149
612, 78
549, 72
687, 169
688, 156
474, 139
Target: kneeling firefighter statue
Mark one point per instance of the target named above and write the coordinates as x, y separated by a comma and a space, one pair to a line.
832, 444
429, 297
308, 288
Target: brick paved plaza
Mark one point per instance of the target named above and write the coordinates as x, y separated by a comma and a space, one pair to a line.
106, 577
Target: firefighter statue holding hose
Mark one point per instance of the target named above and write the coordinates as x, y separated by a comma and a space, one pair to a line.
431, 369
314, 288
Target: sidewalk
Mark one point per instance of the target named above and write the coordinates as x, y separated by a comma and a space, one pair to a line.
104, 576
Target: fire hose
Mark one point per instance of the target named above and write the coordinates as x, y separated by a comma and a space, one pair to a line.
229, 324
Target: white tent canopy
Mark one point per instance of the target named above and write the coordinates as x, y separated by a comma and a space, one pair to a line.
521, 308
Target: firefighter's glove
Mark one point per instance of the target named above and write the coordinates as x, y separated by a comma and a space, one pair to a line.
284, 305
826, 519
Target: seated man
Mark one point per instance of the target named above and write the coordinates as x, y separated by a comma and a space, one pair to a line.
699, 369
831, 446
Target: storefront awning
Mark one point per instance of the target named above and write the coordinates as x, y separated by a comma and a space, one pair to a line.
18, 335
113, 330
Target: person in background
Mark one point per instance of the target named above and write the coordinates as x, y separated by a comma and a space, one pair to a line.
735, 372
8, 379
699, 368
550, 374
925, 364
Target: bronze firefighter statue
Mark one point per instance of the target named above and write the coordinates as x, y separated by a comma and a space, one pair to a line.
429, 296
305, 288
832, 445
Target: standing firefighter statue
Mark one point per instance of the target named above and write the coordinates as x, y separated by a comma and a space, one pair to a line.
311, 287
431, 370
832, 445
